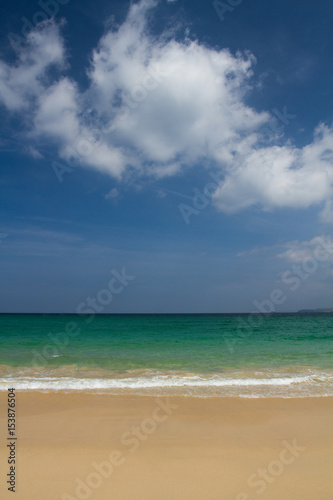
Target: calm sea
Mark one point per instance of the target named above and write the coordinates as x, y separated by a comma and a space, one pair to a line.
285, 355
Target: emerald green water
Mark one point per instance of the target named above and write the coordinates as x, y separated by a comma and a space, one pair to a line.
145, 346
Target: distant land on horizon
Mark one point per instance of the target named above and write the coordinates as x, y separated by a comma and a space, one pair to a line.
319, 310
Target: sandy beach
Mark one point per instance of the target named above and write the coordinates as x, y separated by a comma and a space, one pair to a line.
80, 446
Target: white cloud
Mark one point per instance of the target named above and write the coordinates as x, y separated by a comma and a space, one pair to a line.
254, 251
281, 176
155, 106
166, 103
57, 115
297, 252
169, 102
24, 80
30, 150
300, 251
113, 194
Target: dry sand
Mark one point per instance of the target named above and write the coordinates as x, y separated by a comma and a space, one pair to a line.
169, 448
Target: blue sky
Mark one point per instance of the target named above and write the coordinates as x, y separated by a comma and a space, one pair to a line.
183, 143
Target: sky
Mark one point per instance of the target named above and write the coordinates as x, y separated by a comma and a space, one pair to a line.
166, 156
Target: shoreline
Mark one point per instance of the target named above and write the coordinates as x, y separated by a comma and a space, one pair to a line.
170, 395
286, 382
100, 446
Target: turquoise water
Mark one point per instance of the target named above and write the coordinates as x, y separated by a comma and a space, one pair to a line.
247, 355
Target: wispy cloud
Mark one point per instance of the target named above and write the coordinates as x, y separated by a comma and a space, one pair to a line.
300, 251
294, 251
30, 150
113, 194
254, 251
40, 242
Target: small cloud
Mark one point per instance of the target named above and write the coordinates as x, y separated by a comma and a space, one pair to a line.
112, 195
296, 255
300, 251
34, 153
246, 254
161, 193
294, 251
254, 251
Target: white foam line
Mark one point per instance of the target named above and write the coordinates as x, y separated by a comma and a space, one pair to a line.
68, 383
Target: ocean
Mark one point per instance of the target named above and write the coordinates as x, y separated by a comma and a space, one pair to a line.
242, 355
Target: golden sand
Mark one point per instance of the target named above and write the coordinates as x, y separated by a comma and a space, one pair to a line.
101, 447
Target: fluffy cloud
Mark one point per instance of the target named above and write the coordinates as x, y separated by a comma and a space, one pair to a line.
23, 81
167, 103
156, 105
153, 105
281, 176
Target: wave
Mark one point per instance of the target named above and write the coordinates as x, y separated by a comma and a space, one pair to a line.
269, 383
